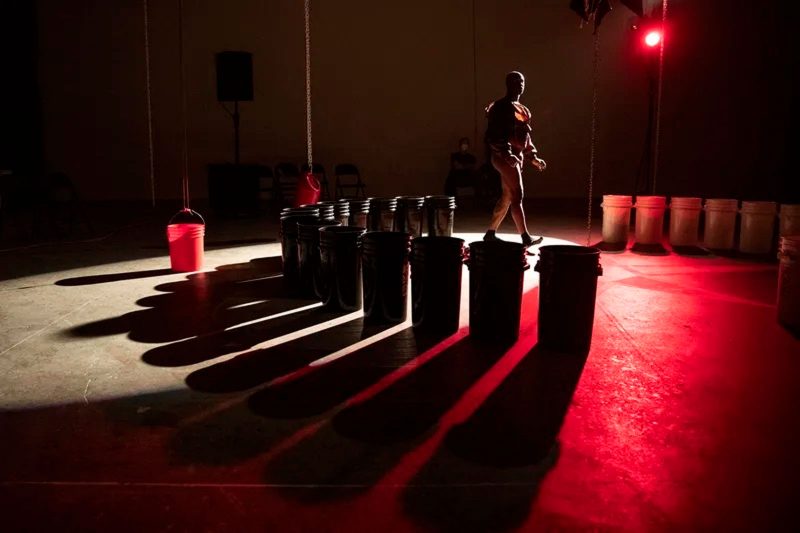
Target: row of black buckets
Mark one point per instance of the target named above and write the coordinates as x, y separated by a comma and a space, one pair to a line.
346, 266
416, 215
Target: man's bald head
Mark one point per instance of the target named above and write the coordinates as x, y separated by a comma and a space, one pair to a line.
515, 84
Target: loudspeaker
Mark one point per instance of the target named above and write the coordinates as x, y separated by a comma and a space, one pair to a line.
234, 76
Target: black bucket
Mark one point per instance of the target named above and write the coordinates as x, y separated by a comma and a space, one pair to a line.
440, 215
310, 209
340, 267
385, 274
381, 214
359, 213
436, 265
341, 212
311, 283
408, 217
288, 236
567, 291
326, 210
496, 270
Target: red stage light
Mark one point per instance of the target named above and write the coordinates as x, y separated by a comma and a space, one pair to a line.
652, 38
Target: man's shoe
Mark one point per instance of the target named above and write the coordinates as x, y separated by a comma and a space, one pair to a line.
490, 236
530, 240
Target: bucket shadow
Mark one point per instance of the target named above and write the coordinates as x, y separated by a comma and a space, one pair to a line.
228, 437
197, 317
253, 368
222, 438
200, 302
332, 383
412, 405
487, 472
691, 251
207, 346
111, 278
367, 438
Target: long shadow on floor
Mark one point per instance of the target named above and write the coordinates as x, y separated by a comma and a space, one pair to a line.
486, 474
214, 313
331, 384
202, 301
260, 366
111, 278
210, 345
230, 436
367, 438
279, 411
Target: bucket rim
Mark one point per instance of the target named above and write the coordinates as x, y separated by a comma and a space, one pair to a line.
571, 250
187, 225
341, 229
651, 201
309, 228
497, 244
686, 201
374, 236
759, 208
617, 200
440, 238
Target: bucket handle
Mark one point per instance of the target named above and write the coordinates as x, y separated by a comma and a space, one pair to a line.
465, 258
312, 181
189, 212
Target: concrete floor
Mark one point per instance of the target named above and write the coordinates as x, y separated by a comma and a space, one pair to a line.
137, 399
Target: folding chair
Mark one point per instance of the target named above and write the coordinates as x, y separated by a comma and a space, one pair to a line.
347, 178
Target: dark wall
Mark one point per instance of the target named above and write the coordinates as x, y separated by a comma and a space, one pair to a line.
20, 124
396, 84
728, 98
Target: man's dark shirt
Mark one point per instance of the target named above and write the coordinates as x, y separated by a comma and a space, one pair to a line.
508, 130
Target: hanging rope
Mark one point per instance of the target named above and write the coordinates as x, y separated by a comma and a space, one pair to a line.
593, 139
308, 83
475, 106
148, 92
185, 165
660, 88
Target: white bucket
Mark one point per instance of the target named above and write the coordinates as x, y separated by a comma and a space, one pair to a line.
790, 220
649, 219
789, 282
757, 227
684, 220
616, 218
720, 223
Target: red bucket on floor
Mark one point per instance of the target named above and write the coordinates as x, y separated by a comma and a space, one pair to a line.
185, 234
307, 191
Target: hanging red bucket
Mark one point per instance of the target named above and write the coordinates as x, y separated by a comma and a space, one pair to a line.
185, 234
307, 191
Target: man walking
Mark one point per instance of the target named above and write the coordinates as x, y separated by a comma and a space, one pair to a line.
509, 137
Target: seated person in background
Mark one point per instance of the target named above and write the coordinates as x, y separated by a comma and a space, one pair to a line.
462, 169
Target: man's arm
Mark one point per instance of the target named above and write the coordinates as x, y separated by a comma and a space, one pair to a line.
533, 154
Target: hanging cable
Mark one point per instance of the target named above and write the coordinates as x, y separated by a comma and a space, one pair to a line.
308, 83
593, 139
475, 74
660, 88
185, 158
148, 91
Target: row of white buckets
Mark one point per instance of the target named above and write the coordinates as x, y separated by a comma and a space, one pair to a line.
756, 233
756, 226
